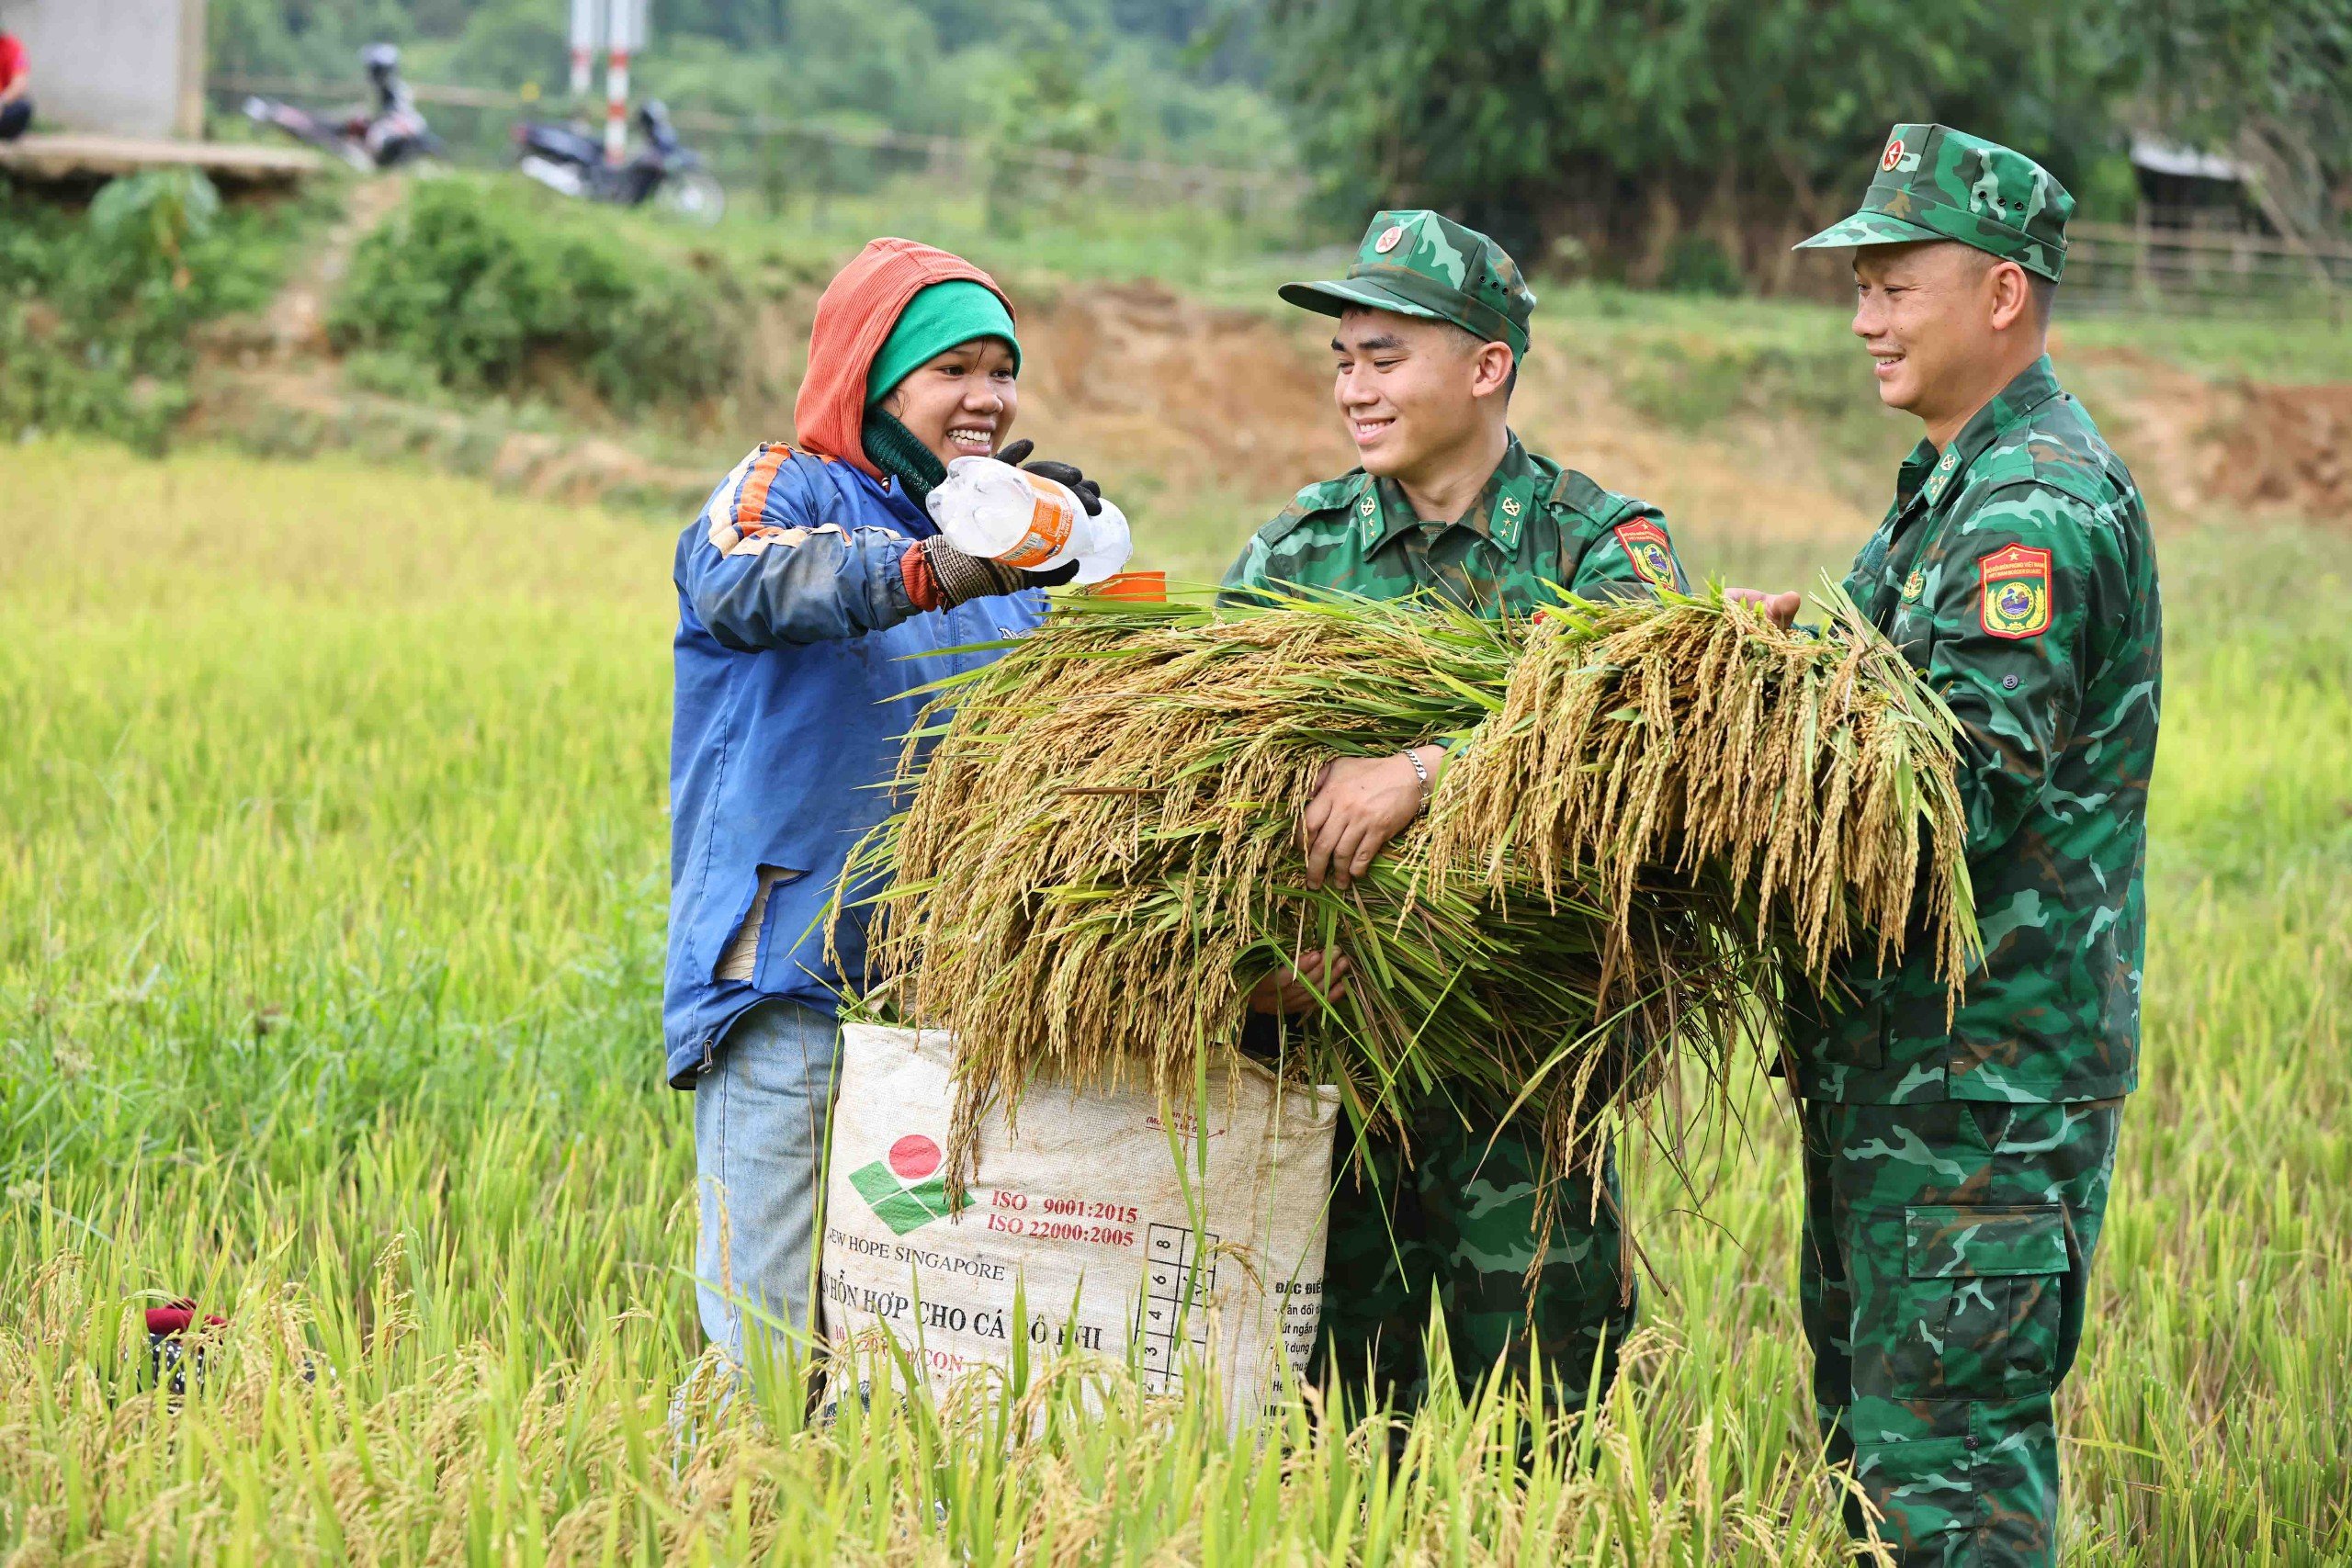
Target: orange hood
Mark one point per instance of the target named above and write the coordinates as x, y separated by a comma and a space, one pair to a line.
855, 315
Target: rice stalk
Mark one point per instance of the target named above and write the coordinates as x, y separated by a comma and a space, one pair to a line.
1815, 774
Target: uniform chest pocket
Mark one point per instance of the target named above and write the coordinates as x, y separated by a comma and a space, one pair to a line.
1983, 1294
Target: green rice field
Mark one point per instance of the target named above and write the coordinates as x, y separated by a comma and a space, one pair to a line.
332, 863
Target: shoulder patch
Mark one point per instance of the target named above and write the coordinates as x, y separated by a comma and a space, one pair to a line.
1644, 544
2013, 585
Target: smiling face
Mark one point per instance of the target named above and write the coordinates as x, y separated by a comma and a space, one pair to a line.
1415, 392
959, 403
1946, 327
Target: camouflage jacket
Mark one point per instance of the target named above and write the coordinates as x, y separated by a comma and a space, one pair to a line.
2015, 572
1535, 526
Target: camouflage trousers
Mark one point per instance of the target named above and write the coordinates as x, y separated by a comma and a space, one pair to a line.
1457, 1223
1946, 1255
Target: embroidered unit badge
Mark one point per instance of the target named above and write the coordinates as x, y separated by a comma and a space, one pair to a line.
2015, 581
1645, 546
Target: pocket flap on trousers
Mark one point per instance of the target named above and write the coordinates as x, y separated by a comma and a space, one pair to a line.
1948, 1241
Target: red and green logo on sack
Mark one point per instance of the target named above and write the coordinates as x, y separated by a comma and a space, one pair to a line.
904, 1188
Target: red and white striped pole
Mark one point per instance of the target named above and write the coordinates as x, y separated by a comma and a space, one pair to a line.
623, 14
587, 27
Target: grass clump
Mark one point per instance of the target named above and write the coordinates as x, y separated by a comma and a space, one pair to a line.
1100, 856
496, 289
98, 307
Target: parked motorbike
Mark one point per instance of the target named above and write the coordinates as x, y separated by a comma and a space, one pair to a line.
388, 135
569, 159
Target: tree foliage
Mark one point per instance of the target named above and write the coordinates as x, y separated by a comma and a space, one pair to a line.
1627, 123
2270, 79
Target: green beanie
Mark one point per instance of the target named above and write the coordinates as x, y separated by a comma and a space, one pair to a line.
936, 321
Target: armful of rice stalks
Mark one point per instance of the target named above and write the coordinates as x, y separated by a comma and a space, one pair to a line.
1817, 774
1657, 801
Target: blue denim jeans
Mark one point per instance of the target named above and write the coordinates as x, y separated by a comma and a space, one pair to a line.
759, 1117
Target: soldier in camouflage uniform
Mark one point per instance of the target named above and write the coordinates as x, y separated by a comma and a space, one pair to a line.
1956, 1175
1434, 323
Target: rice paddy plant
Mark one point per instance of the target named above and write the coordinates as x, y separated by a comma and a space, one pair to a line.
1100, 858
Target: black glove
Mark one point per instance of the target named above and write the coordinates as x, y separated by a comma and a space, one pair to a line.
961, 577
1090, 494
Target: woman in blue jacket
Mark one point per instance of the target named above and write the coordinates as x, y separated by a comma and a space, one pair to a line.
814, 597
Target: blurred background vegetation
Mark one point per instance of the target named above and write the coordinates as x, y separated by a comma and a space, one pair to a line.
1141, 170
1673, 141
1112, 76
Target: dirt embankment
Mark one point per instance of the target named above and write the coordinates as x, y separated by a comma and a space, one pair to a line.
1196, 402
2196, 445
2285, 446
1138, 377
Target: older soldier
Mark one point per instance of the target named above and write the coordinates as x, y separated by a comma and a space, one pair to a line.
1432, 324
1956, 1175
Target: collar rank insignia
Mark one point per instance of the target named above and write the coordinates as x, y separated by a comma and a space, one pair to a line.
1914, 585
1646, 546
1511, 506
2015, 584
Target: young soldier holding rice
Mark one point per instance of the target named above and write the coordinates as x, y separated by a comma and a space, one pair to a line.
1956, 1174
1433, 326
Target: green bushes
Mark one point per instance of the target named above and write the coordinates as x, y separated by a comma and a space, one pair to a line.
97, 308
495, 287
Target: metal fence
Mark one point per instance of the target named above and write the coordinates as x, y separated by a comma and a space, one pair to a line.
756, 154
2123, 266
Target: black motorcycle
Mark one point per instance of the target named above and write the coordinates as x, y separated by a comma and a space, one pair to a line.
569, 159
389, 135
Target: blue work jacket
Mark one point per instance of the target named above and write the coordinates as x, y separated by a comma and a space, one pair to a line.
797, 652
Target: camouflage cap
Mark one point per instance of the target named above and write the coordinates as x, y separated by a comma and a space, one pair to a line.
1419, 263
1935, 183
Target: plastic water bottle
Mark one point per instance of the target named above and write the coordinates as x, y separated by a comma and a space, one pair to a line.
992, 509
1109, 545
